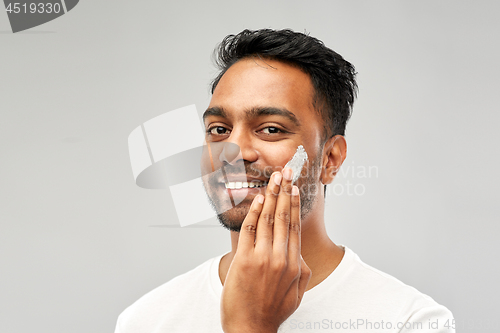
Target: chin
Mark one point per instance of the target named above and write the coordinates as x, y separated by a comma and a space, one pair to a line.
234, 217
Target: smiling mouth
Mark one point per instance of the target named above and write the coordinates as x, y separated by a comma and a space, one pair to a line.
239, 185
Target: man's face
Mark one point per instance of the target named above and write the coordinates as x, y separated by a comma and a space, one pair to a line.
266, 108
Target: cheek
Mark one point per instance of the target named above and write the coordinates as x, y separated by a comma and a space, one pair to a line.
276, 156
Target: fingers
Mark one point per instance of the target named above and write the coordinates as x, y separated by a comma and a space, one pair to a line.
266, 220
283, 214
305, 276
249, 226
294, 233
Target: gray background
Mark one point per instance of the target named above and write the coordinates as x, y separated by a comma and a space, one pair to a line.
78, 242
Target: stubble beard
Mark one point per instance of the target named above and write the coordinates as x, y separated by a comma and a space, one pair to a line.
233, 218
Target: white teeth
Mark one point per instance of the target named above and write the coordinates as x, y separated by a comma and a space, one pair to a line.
239, 185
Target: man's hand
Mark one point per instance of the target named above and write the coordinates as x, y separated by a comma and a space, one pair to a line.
267, 277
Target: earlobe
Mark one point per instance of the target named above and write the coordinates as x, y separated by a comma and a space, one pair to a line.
334, 153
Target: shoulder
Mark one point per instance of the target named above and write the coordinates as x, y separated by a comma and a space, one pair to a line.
388, 296
169, 300
181, 284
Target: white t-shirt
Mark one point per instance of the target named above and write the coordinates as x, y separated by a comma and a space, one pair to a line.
355, 297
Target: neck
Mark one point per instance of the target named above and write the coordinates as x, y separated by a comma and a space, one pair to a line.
318, 251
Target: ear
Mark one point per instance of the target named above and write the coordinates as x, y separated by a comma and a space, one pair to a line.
334, 153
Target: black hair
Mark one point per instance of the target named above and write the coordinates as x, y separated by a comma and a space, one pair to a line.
333, 78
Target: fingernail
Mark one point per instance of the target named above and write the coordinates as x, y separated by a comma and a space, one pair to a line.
287, 173
260, 199
295, 190
277, 178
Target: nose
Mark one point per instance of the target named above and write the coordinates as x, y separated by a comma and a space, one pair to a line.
230, 153
239, 147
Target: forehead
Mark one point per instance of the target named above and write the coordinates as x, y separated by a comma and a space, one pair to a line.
254, 82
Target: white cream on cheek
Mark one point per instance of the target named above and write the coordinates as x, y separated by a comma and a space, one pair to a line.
297, 162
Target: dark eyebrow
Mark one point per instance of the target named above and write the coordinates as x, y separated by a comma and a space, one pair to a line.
272, 111
214, 111
254, 113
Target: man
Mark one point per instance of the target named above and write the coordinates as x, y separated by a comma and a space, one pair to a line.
278, 90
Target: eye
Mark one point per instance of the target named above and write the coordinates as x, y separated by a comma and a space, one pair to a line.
271, 130
217, 130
